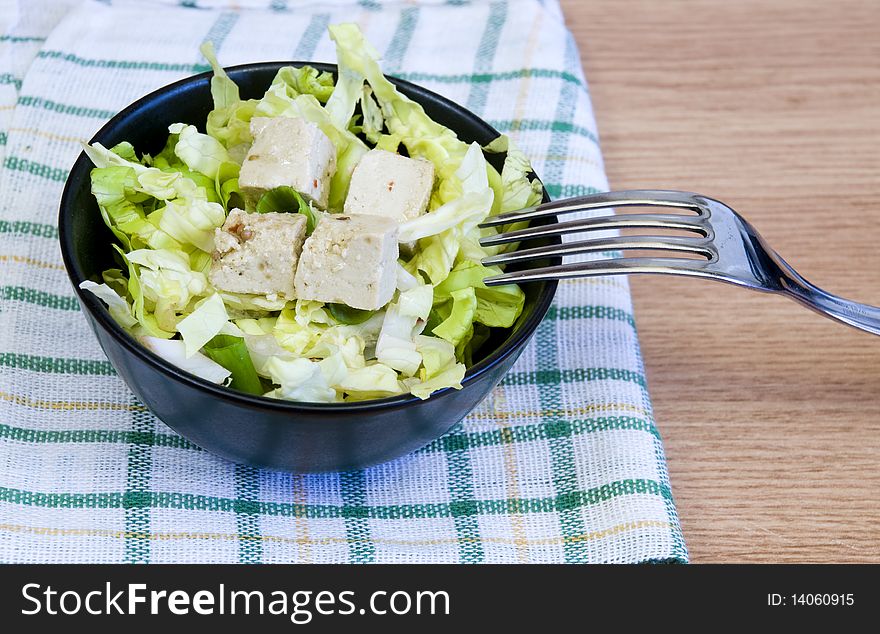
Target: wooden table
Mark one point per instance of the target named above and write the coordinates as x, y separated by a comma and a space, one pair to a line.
770, 414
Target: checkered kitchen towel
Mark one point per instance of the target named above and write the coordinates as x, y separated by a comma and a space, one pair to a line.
562, 463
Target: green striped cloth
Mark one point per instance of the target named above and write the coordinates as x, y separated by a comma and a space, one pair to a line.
562, 463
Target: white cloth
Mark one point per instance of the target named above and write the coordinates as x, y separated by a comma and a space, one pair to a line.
561, 463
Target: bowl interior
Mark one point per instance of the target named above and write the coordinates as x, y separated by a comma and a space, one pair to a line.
86, 240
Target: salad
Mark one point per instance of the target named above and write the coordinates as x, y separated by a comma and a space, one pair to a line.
318, 244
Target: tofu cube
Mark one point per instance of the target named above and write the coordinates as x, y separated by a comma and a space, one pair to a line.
387, 184
288, 151
350, 259
257, 254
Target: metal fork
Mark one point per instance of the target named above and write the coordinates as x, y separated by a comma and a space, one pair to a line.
732, 250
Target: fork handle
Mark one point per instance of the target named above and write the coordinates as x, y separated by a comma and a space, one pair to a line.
861, 316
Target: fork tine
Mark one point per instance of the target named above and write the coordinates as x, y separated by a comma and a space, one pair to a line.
656, 221
616, 266
629, 198
689, 245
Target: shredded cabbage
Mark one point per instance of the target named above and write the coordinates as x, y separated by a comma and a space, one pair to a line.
174, 351
164, 211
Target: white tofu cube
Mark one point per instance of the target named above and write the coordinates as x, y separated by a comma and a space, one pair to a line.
387, 184
257, 254
349, 259
288, 151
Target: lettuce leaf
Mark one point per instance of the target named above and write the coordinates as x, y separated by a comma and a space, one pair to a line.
375, 380
231, 126
458, 326
286, 199
518, 190
305, 80
224, 91
348, 315
348, 92
465, 211
229, 121
192, 222
131, 196
405, 118
201, 153
395, 347
245, 304
232, 353
497, 306
174, 351
166, 285
373, 119
441, 368
207, 162
203, 324
117, 306
300, 380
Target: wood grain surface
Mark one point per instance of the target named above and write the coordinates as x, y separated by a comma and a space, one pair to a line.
770, 414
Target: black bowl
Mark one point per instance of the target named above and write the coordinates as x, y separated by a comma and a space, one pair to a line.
265, 432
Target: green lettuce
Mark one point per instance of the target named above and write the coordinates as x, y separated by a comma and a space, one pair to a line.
405, 118
404, 319
174, 351
232, 353
496, 306
229, 122
148, 207
286, 199
305, 80
205, 322
465, 211
117, 306
300, 379
244, 304
192, 222
441, 369
201, 153
166, 287
348, 315
224, 91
